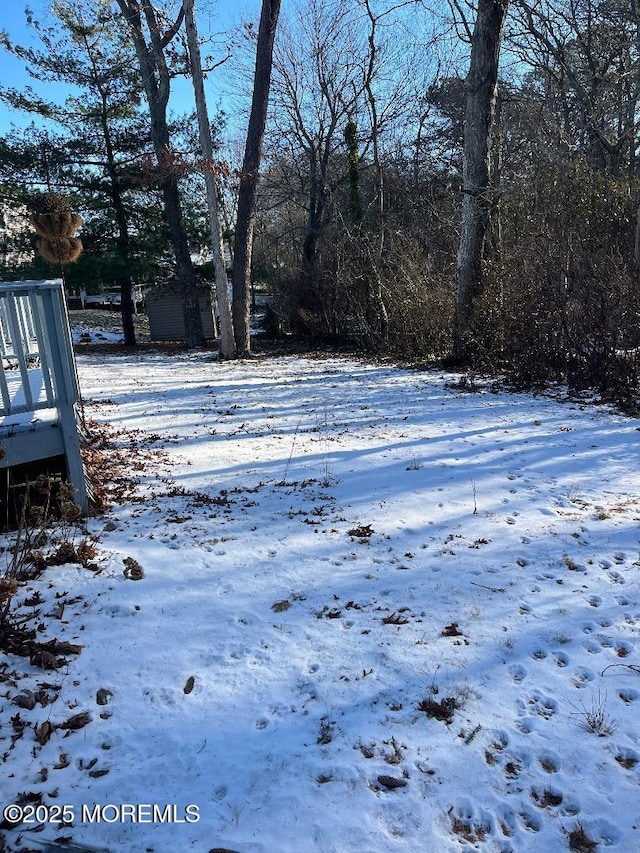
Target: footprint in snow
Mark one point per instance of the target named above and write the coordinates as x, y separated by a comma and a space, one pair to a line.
546, 797
549, 762
628, 696
514, 765
530, 821
623, 649
507, 822
581, 677
517, 673
626, 758
543, 706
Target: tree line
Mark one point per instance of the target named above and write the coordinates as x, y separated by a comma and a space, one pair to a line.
454, 182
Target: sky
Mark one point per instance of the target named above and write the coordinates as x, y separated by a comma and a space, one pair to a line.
220, 16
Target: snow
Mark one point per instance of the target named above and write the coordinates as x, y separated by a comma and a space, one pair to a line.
328, 546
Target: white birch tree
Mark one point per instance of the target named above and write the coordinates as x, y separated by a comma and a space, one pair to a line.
227, 341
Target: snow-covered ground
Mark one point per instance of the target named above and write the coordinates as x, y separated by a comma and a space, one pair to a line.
377, 613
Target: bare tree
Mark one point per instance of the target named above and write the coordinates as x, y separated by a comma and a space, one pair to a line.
481, 93
249, 175
151, 40
588, 53
316, 90
227, 341
378, 118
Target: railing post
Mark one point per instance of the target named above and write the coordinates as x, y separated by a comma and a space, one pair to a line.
65, 382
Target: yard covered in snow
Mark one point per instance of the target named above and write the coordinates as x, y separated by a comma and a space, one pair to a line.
372, 610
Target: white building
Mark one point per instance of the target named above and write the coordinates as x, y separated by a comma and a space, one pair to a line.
14, 223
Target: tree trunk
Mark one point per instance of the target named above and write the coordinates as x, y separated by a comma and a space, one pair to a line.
376, 299
156, 80
123, 242
481, 93
249, 177
227, 346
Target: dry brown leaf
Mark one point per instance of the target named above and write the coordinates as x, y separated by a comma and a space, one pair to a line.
44, 732
78, 721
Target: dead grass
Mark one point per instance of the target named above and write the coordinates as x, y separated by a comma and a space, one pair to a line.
580, 842
442, 710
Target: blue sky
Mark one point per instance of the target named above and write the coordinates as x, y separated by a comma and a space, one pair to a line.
218, 16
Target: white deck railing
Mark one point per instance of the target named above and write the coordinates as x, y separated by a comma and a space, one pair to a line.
39, 389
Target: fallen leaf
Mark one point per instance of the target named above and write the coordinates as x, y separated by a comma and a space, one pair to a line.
78, 721
363, 531
44, 732
96, 774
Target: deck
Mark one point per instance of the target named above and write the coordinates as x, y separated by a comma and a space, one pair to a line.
39, 391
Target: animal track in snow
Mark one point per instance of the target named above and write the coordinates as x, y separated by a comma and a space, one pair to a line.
514, 765
616, 577
626, 758
517, 673
507, 823
628, 696
529, 820
582, 676
623, 649
543, 706
546, 797
549, 762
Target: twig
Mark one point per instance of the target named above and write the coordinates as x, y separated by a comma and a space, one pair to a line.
490, 588
630, 666
469, 738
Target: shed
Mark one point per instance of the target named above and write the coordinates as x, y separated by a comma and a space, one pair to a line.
166, 319
39, 391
